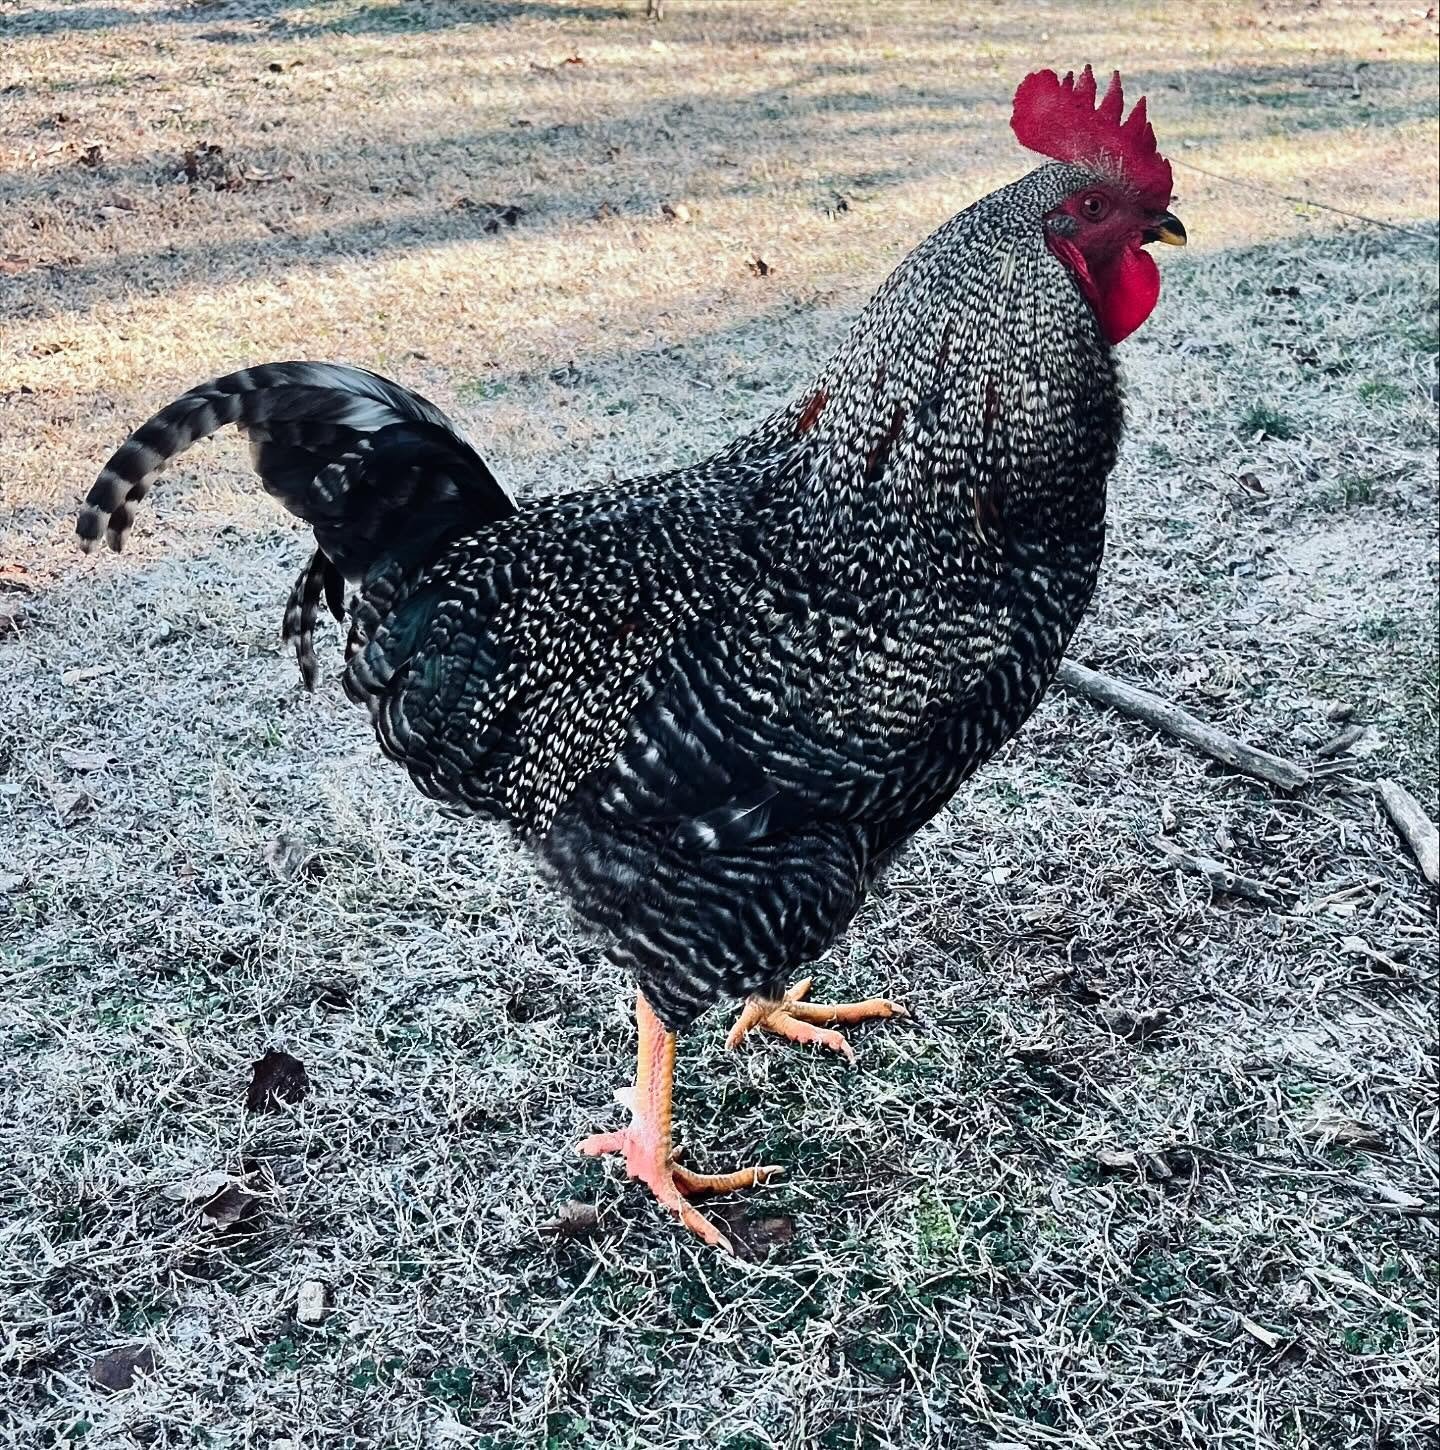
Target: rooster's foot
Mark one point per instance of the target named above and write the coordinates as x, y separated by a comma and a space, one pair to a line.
646, 1143
801, 1021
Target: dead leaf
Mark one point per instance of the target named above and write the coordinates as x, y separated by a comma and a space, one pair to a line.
760, 267
311, 1302
87, 759
90, 672
276, 1079
198, 1188
228, 1208
1327, 1125
287, 856
576, 1220
117, 1370
93, 155
204, 163
70, 802
492, 214
1116, 1158
1399, 1197
1251, 483
573, 60
755, 1238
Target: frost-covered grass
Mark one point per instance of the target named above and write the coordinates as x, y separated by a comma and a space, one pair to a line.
1149, 1168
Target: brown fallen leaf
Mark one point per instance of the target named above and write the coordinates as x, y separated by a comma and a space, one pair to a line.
276, 1079
576, 1220
87, 759
197, 1189
287, 856
118, 1369
1116, 1158
754, 1238
1327, 1125
760, 267
70, 802
228, 1208
14, 575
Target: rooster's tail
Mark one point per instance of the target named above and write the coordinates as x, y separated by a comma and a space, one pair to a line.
377, 471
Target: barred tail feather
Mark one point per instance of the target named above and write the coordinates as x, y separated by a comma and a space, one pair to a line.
379, 473
375, 469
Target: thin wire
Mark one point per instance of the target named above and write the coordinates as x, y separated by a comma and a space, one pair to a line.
1358, 216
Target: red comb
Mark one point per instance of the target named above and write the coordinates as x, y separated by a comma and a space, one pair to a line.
1060, 119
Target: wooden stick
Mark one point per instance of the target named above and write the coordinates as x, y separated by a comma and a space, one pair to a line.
1220, 876
1414, 825
1142, 705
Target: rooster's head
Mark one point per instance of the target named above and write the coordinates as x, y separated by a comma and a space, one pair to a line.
1120, 203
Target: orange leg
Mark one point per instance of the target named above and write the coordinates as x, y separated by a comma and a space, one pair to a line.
646, 1143
800, 1021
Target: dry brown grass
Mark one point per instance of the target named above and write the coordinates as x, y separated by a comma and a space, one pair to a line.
1152, 1168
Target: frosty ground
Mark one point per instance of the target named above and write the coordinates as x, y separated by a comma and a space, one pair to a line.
1150, 1166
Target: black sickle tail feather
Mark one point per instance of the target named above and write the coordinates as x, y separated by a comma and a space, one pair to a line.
319, 578
377, 471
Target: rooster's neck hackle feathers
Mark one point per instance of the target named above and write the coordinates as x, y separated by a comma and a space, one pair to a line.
974, 400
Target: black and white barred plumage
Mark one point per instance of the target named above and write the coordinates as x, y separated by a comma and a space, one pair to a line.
717, 701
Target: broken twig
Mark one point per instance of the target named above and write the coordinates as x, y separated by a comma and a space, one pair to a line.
1414, 825
1220, 876
1142, 705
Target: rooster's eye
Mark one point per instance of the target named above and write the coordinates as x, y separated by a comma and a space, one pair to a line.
1093, 206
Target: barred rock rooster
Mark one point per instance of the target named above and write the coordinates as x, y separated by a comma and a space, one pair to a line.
717, 702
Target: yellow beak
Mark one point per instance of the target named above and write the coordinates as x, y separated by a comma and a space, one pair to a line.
1168, 229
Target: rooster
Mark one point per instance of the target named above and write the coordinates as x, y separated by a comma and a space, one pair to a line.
718, 702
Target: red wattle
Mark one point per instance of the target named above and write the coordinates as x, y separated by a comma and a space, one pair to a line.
1128, 291
1123, 293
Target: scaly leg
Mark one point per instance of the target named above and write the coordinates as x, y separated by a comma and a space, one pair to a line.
802, 1021
646, 1143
